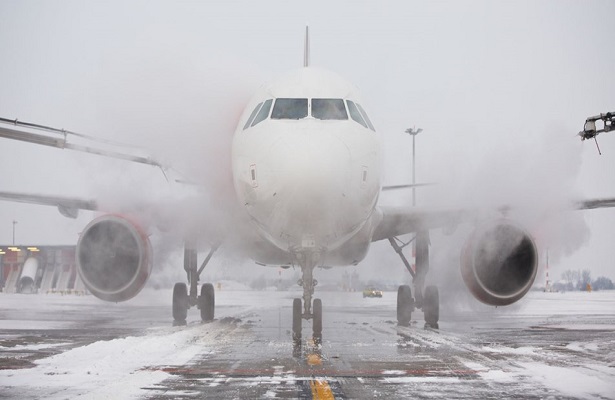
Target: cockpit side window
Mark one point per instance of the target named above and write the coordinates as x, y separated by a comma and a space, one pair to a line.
366, 117
355, 114
329, 109
263, 113
249, 121
290, 109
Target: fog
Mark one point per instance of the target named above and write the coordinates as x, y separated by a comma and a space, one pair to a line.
500, 90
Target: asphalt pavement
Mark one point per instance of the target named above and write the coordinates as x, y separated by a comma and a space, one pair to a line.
552, 346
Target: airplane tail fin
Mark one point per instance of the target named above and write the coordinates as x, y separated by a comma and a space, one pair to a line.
306, 47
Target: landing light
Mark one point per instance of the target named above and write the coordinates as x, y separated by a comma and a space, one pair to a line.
34, 249
16, 249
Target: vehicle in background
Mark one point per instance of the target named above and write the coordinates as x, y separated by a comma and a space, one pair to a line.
371, 292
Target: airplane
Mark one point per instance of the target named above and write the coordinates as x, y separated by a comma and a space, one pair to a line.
307, 173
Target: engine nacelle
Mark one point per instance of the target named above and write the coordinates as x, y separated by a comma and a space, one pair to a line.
499, 263
114, 258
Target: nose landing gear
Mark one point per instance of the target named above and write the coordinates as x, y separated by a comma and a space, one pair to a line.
315, 316
309, 312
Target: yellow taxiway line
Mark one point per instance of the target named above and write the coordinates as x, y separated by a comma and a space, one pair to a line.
321, 390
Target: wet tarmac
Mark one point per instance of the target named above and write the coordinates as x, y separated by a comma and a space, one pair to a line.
553, 346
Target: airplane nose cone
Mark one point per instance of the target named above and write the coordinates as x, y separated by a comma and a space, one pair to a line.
308, 167
311, 168
313, 175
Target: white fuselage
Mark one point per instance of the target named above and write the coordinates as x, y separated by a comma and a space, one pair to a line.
309, 179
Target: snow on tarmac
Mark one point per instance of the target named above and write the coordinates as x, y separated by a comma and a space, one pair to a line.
580, 365
580, 382
113, 369
116, 368
104, 369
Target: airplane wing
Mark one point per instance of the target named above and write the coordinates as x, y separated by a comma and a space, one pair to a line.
160, 213
396, 221
69, 207
408, 186
595, 203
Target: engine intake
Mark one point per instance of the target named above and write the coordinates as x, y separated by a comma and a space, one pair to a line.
114, 258
499, 263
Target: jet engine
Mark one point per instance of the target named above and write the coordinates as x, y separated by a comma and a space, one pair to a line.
114, 258
499, 263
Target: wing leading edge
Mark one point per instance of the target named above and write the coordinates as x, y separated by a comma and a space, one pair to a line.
395, 221
69, 207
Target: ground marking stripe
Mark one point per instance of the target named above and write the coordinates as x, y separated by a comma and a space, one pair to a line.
321, 390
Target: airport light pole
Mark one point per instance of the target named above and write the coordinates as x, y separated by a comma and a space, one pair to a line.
413, 132
14, 223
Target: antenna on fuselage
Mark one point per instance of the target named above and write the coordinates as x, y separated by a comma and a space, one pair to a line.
306, 47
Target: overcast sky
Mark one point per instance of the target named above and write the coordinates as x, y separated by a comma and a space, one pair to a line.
499, 88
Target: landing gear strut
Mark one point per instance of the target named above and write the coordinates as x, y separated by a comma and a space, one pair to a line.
183, 300
428, 299
314, 313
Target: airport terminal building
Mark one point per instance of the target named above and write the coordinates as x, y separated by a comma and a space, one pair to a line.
39, 269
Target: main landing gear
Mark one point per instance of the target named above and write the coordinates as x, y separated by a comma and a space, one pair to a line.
310, 310
183, 300
426, 299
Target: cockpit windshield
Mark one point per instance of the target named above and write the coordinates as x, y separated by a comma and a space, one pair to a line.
366, 117
290, 109
263, 113
329, 109
358, 114
355, 113
249, 121
321, 109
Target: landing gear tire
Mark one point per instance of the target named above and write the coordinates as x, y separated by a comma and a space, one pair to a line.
207, 302
405, 305
297, 317
180, 303
317, 325
431, 307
